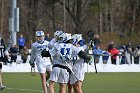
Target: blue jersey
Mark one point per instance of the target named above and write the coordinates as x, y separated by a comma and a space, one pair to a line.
21, 41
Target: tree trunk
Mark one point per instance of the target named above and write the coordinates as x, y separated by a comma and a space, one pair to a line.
111, 17
53, 17
133, 20
2, 16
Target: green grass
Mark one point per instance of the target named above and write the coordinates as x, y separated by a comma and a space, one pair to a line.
94, 83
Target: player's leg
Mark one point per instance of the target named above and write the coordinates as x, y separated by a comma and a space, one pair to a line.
78, 78
78, 87
0, 73
70, 87
47, 78
43, 81
42, 71
62, 87
48, 72
51, 86
63, 80
1, 85
53, 78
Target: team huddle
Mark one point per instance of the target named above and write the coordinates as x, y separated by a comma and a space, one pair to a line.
67, 66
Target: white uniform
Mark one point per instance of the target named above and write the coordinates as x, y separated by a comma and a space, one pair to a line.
62, 65
51, 43
78, 69
43, 63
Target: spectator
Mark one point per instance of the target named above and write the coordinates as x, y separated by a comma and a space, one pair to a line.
110, 46
1, 41
123, 54
13, 52
114, 52
129, 47
90, 34
137, 54
21, 42
129, 52
47, 37
24, 54
2, 49
7, 56
105, 56
95, 41
10, 42
1, 83
97, 52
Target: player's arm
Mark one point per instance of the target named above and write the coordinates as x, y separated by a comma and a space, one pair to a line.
51, 43
45, 53
33, 56
82, 54
85, 56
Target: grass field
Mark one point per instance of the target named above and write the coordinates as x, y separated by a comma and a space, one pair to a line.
94, 83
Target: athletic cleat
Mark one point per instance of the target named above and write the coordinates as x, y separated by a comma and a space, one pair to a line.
2, 87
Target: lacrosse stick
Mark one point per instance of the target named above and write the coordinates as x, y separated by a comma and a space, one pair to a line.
33, 72
95, 67
70, 69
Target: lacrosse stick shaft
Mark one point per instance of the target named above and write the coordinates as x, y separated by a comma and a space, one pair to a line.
95, 67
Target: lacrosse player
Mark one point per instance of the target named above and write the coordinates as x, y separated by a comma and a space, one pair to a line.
77, 76
56, 40
42, 62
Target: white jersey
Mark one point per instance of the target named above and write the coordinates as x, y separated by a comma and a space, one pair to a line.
36, 50
60, 72
64, 53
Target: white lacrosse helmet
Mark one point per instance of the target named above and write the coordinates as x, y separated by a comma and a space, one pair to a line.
76, 38
65, 37
58, 33
39, 33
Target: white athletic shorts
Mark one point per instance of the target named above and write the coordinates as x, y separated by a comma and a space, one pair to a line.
43, 67
59, 75
77, 75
